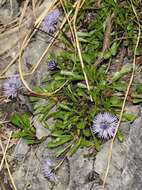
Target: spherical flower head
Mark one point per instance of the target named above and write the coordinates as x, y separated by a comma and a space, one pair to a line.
47, 171
52, 65
11, 86
104, 125
49, 21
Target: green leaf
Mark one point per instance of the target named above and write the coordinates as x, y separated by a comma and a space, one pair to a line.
68, 92
139, 88
137, 101
110, 52
97, 143
71, 75
124, 70
74, 147
136, 95
86, 143
62, 151
25, 121
81, 85
81, 125
106, 54
115, 102
113, 48
67, 73
16, 120
120, 135
86, 132
121, 86
32, 142
57, 132
128, 117
40, 109
83, 34
27, 131
63, 106
61, 114
59, 141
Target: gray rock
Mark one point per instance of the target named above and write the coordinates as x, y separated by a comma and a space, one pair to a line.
125, 169
126, 61
28, 172
41, 131
75, 173
132, 109
83, 173
21, 149
80, 167
113, 179
132, 173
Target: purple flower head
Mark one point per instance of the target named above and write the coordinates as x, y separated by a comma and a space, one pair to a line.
104, 125
11, 86
52, 65
49, 21
47, 170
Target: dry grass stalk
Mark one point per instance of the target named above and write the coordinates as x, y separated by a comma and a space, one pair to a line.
39, 61
78, 45
7, 165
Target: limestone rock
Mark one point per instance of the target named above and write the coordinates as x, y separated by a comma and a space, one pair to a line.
125, 170
21, 149
132, 173
41, 131
116, 166
80, 167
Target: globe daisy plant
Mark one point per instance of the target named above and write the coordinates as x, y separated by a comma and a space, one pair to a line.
104, 125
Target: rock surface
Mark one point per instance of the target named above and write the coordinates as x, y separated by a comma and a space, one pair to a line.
125, 169
81, 172
116, 167
131, 178
75, 173
80, 168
